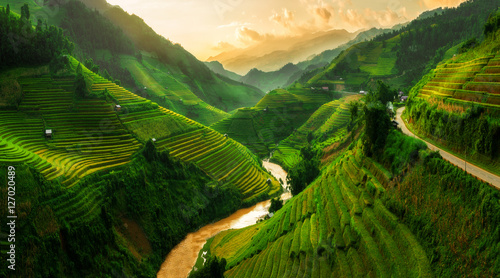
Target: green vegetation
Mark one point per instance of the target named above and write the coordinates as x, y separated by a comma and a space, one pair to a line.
272, 119
357, 219
25, 45
458, 230
337, 226
276, 204
402, 56
456, 105
221, 158
325, 127
220, 92
133, 215
304, 172
87, 182
212, 268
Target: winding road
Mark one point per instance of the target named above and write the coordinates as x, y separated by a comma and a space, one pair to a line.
470, 168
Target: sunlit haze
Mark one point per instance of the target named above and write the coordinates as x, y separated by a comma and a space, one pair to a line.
206, 28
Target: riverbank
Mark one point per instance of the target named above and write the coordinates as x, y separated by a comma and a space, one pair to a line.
182, 258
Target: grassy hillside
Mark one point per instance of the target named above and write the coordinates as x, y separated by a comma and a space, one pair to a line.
457, 104
357, 220
401, 57
326, 126
131, 52
122, 221
338, 226
273, 118
89, 136
267, 81
221, 158
357, 65
161, 84
218, 91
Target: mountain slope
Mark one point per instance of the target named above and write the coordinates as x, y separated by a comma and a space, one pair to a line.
274, 54
261, 127
457, 104
326, 126
190, 71
401, 57
337, 226
219, 69
109, 44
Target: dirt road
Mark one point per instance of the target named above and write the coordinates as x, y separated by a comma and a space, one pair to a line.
470, 168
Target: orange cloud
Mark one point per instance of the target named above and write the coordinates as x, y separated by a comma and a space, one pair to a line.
286, 20
223, 46
248, 36
323, 13
432, 4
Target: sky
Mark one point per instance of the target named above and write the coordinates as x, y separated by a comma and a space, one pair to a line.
208, 27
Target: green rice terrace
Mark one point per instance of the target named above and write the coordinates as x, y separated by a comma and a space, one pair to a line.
164, 86
326, 126
273, 118
88, 135
357, 65
457, 105
337, 227
476, 81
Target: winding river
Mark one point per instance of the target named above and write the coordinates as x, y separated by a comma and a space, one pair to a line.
182, 258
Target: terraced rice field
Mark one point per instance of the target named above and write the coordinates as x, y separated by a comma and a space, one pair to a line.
331, 119
164, 85
87, 134
476, 81
261, 127
337, 227
221, 158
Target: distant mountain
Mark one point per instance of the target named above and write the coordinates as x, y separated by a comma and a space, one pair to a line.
289, 73
274, 54
267, 81
403, 55
218, 68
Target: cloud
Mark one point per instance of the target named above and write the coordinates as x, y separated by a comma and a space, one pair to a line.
234, 24
371, 18
432, 4
247, 35
286, 19
223, 46
323, 13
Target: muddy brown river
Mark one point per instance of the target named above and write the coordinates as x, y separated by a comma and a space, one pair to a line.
182, 258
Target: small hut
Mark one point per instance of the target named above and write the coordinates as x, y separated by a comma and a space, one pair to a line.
48, 133
268, 181
325, 88
225, 136
118, 108
153, 139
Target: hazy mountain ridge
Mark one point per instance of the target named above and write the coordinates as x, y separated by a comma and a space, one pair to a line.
274, 54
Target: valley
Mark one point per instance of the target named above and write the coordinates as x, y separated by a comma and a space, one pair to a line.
182, 258
365, 153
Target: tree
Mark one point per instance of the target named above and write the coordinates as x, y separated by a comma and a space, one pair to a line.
8, 9
80, 84
353, 109
212, 268
384, 93
25, 12
377, 124
276, 204
304, 172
